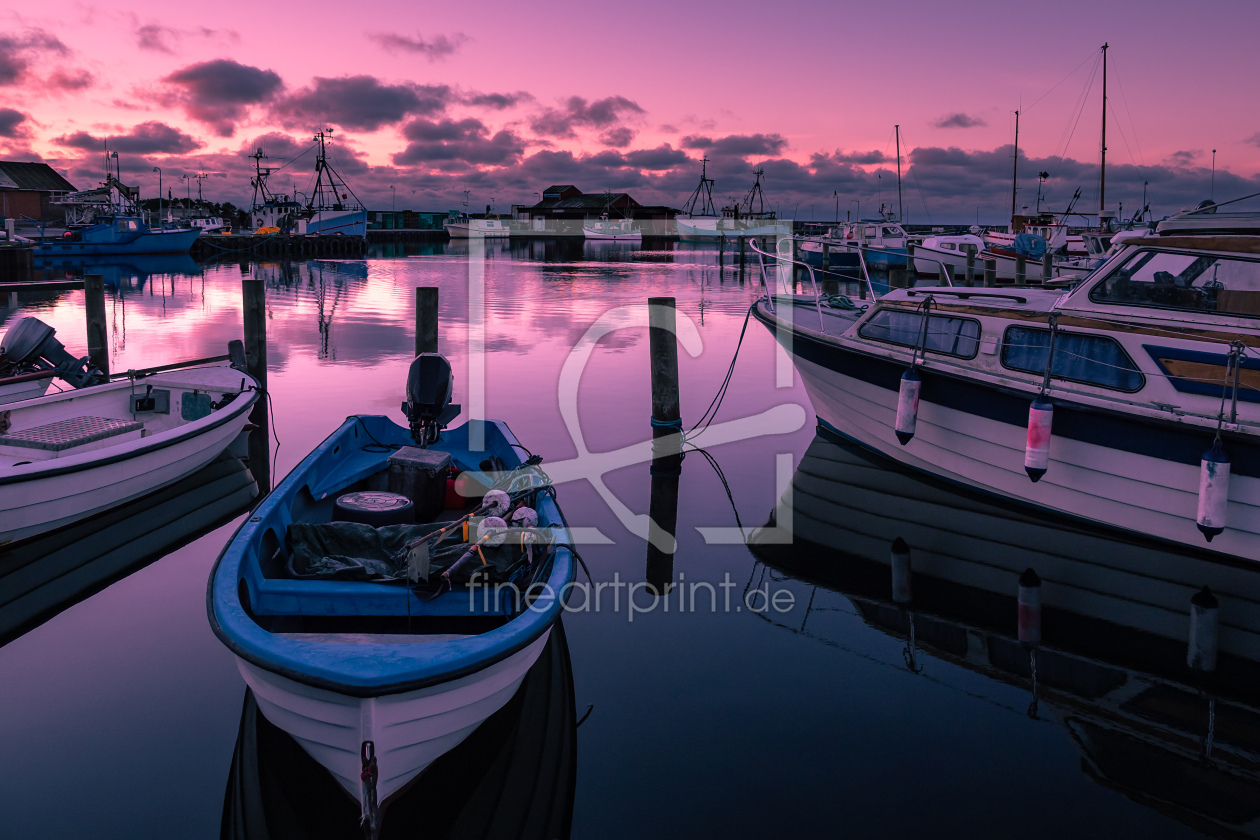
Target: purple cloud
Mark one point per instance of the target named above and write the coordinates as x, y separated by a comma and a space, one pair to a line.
737, 145
576, 111
219, 92
360, 102
958, 120
466, 141
434, 49
147, 138
11, 123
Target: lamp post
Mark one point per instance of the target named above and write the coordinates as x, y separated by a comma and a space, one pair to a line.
836, 194
393, 205
1213, 193
158, 170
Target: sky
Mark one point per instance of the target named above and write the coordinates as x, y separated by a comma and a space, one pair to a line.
505, 99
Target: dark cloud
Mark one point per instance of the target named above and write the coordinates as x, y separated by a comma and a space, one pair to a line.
577, 112
620, 136
11, 123
859, 158
17, 52
737, 145
465, 141
662, 157
435, 48
155, 38
148, 138
497, 101
1253, 140
69, 80
958, 120
360, 102
219, 92
1183, 158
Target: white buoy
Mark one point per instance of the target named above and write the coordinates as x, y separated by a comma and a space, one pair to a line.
1037, 448
1201, 653
907, 406
1029, 601
1213, 491
900, 572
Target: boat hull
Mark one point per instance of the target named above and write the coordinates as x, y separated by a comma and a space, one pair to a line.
974, 435
601, 236
711, 229
465, 231
333, 222
409, 731
151, 242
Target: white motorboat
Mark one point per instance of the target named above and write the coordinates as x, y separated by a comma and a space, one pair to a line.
950, 250
67, 456
615, 230
1153, 383
463, 226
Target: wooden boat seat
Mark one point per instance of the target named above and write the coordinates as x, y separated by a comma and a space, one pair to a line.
69, 433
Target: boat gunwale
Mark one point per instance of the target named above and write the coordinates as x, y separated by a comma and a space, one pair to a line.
408, 672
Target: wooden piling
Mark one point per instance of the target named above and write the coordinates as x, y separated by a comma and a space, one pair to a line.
990, 273
663, 347
971, 264
254, 315
663, 519
97, 334
721, 248
826, 256
898, 279
1047, 266
1021, 270
426, 319
742, 243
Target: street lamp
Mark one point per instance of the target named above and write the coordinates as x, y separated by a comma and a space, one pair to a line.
1213, 193
158, 170
836, 194
393, 205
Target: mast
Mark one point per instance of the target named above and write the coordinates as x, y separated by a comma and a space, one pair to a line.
1015, 171
1102, 183
900, 217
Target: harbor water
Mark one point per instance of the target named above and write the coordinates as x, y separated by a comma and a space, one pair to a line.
799, 692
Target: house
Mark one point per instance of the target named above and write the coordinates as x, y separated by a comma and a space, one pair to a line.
29, 189
564, 207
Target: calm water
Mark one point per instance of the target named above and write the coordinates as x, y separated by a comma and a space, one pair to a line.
119, 716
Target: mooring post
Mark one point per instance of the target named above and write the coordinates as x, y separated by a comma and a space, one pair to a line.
663, 518
426, 319
1047, 267
254, 315
663, 347
971, 264
990, 273
1021, 270
898, 278
721, 248
97, 334
826, 256
741, 253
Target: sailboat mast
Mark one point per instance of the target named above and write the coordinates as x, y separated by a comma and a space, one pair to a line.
1102, 183
1015, 171
900, 216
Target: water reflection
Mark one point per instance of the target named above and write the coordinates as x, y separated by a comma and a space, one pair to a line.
42, 577
129, 272
1110, 664
513, 777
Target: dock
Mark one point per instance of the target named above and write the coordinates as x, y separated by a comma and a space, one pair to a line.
277, 245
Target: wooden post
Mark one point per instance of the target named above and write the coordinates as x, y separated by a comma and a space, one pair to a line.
721, 248
742, 242
97, 334
1021, 270
898, 279
663, 518
254, 315
826, 256
990, 273
971, 264
663, 347
426, 319
1047, 266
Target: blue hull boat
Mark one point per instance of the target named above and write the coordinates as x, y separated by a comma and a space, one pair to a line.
381, 647
118, 235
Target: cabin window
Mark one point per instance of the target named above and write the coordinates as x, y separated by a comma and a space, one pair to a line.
893, 232
949, 246
1194, 282
1092, 359
869, 232
945, 334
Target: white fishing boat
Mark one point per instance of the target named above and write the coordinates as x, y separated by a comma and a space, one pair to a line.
463, 226
67, 456
333, 208
699, 218
1129, 401
615, 230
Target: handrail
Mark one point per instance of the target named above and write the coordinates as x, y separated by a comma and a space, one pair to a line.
866, 274
813, 281
966, 295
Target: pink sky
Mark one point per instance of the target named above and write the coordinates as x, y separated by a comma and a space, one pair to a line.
812, 88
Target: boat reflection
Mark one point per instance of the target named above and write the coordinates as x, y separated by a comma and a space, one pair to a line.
40, 578
514, 777
122, 272
1110, 663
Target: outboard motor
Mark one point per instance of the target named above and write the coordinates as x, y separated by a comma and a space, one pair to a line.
29, 347
430, 385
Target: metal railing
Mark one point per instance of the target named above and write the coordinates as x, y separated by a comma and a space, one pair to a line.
761, 255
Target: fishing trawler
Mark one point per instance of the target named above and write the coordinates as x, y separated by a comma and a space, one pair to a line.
699, 219
738, 219
333, 208
463, 226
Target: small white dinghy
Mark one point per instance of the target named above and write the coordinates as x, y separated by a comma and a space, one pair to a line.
67, 456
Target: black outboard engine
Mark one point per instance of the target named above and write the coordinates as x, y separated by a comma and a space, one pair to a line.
29, 347
430, 384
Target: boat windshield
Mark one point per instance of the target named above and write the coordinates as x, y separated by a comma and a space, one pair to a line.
1186, 281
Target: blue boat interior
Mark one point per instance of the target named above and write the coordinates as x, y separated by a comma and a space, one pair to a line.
356, 458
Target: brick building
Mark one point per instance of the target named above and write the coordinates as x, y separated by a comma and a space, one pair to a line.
29, 189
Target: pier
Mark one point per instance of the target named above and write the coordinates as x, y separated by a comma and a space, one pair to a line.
278, 245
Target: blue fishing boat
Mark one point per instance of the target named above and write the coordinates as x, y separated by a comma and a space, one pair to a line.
376, 619
118, 235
